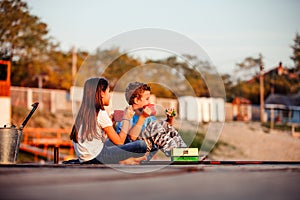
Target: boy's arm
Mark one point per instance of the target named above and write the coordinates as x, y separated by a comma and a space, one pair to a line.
136, 129
171, 114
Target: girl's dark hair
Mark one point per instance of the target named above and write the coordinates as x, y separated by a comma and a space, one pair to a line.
91, 104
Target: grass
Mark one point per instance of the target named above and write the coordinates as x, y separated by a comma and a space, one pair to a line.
281, 127
42, 119
196, 141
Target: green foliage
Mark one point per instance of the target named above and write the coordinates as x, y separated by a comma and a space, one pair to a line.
249, 67
182, 73
228, 84
286, 83
296, 52
120, 69
119, 66
24, 39
22, 35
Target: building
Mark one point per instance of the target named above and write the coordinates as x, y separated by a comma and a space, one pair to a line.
285, 108
241, 109
5, 104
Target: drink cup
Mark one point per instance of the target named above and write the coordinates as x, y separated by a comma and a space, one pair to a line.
152, 106
118, 115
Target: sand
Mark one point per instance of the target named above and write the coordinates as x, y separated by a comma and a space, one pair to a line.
249, 141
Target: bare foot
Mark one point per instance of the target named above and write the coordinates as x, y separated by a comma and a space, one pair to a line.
202, 158
133, 161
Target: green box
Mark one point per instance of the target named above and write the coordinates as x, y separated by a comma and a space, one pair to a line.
185, 158
184, 154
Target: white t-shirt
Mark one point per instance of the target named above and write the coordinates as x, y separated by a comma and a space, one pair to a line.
89, 150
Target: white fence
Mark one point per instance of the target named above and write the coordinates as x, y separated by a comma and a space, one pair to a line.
201, 109
118, 101
49, 99
189, 108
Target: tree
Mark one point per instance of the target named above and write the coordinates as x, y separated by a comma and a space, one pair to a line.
22, 35
228, 87
186, 75
248, 67
248, 86
296, 52
59, 68
24, 40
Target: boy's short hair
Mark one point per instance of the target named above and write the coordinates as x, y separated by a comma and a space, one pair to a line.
135, 90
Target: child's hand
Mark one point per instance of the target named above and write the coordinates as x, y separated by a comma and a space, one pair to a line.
152, 107
171, 112
147, 111
129, 112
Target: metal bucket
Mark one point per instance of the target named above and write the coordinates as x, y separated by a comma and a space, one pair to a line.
10, 139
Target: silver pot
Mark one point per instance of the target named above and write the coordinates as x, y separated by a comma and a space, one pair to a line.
10, 139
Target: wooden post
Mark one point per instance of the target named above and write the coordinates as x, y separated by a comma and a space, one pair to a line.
293, 129
56, 154
40, 79
272, 118
74, 63
261, 86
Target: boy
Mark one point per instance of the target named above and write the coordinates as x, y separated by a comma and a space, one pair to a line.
156, 133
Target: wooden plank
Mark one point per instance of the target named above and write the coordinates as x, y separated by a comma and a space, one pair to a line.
40, 152
220, 163
47, 136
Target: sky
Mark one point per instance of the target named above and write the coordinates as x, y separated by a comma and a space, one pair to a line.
228, 30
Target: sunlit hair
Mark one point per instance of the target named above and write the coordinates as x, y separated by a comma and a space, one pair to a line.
91, 104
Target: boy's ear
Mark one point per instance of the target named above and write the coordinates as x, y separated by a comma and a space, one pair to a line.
135, 100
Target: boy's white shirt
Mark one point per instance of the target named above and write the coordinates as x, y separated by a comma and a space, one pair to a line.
89, 150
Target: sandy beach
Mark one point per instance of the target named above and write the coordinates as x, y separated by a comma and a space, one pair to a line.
250, 141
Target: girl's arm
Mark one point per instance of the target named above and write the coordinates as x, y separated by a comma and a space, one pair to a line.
118, 139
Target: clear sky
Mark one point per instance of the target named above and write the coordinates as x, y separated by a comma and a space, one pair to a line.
228, 30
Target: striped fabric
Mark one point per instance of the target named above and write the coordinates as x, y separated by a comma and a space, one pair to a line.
163, 135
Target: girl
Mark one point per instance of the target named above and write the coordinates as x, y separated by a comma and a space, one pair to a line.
93, 126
